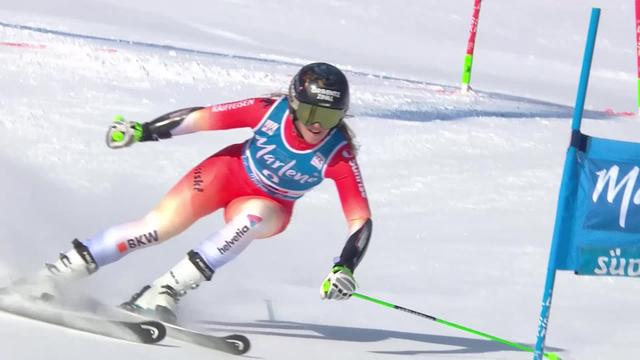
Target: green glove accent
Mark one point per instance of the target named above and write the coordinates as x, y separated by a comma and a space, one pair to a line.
326, 284
342, 268
123, 133
137, 131
119, 135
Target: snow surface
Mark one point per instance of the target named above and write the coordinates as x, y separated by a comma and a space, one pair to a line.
462, 187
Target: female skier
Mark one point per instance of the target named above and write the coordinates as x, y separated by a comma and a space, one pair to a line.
299, 139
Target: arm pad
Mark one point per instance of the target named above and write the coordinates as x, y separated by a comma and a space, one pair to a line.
161, 127
356, 247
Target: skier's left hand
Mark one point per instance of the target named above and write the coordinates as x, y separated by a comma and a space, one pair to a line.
339, 284
123, 133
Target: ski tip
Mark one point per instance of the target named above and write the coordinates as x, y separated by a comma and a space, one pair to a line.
151, 332
239, 344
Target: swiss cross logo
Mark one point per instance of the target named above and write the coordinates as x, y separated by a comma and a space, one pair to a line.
269, 127
122, 247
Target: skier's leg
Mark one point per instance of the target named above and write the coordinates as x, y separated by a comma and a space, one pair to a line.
178, 210
197, 194
248, 218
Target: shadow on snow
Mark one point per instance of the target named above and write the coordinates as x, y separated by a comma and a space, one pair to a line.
361, 335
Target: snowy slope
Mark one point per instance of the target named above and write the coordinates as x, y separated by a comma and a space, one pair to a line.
463, 188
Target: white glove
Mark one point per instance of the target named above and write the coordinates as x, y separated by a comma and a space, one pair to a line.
123, 133
339, 284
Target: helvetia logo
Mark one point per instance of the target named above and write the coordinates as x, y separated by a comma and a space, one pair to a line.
254, 220
240, 233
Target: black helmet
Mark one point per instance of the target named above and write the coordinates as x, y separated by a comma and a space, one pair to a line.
319, 92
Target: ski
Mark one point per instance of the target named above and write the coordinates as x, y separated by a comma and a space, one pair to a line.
235, 344
146, 332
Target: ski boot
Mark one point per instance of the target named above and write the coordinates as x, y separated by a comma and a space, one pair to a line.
47, 283
160, 299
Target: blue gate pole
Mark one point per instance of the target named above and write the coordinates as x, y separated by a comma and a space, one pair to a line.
569, 167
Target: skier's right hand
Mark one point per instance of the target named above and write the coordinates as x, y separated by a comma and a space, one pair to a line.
123, 133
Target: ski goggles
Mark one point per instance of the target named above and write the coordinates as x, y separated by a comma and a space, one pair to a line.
327, 118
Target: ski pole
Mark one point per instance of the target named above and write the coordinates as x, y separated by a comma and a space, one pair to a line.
549, 355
